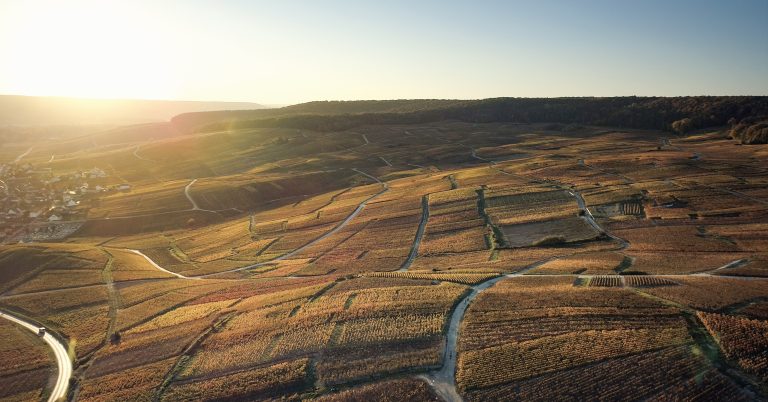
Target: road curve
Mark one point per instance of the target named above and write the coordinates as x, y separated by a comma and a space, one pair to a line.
154, 264
64, 365
195, 207
443, 381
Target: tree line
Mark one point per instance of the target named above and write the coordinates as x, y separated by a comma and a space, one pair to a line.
679, 114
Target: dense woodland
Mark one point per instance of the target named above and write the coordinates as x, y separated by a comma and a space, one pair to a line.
681, 114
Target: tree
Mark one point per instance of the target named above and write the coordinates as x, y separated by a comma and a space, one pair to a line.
682, 126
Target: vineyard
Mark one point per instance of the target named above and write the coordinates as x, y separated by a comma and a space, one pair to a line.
463, 278
26, 364
743, 340
606, 281
552, 329
544, 262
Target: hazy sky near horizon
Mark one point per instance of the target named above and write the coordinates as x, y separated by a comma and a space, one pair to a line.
281, 52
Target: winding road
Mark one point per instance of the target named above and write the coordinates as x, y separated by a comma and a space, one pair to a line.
443, 381
187, 188
339, 226
64, 365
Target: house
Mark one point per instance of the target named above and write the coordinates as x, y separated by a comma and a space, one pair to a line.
124, 187
54, 218
35, 214
71, 203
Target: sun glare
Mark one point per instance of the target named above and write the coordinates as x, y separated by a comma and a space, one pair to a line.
89, 49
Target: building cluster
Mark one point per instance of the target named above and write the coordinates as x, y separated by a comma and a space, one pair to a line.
31, 196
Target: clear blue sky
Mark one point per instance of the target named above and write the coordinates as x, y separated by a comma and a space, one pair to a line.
280, 52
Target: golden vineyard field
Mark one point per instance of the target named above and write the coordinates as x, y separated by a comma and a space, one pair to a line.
318, 271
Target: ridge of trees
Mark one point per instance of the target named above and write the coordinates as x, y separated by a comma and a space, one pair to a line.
680, 114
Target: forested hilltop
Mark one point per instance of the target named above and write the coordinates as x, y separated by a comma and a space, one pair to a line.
746, 115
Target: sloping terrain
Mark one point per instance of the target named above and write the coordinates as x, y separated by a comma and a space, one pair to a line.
442, 260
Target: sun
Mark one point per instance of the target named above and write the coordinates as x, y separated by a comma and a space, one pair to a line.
88, 49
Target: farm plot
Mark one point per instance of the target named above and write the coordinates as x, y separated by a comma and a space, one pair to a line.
27, 364
669, 371
673, 238
379, 239
128, 266
674, 263
743, 340
299, 322
751, 237
454, 225
144, 200
477, 261
143, 301
463, 278
511, 209
535, 327
406, 389
712, 293
599, 263
137, 383
561, 231
278, 380
26, 269
641, 281
610, 194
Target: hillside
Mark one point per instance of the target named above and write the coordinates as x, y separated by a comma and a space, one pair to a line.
44, 110
446, 261
629, 112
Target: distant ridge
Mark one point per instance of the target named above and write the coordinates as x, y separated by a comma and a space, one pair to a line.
679, 114
50, 110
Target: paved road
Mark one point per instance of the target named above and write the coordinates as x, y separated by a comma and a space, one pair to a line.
64, 365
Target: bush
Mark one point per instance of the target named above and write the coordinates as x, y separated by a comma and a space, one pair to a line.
682, 126
751, 131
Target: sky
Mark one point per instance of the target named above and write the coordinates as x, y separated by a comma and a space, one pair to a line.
290, 51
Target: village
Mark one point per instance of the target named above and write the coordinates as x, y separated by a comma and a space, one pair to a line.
37, 204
